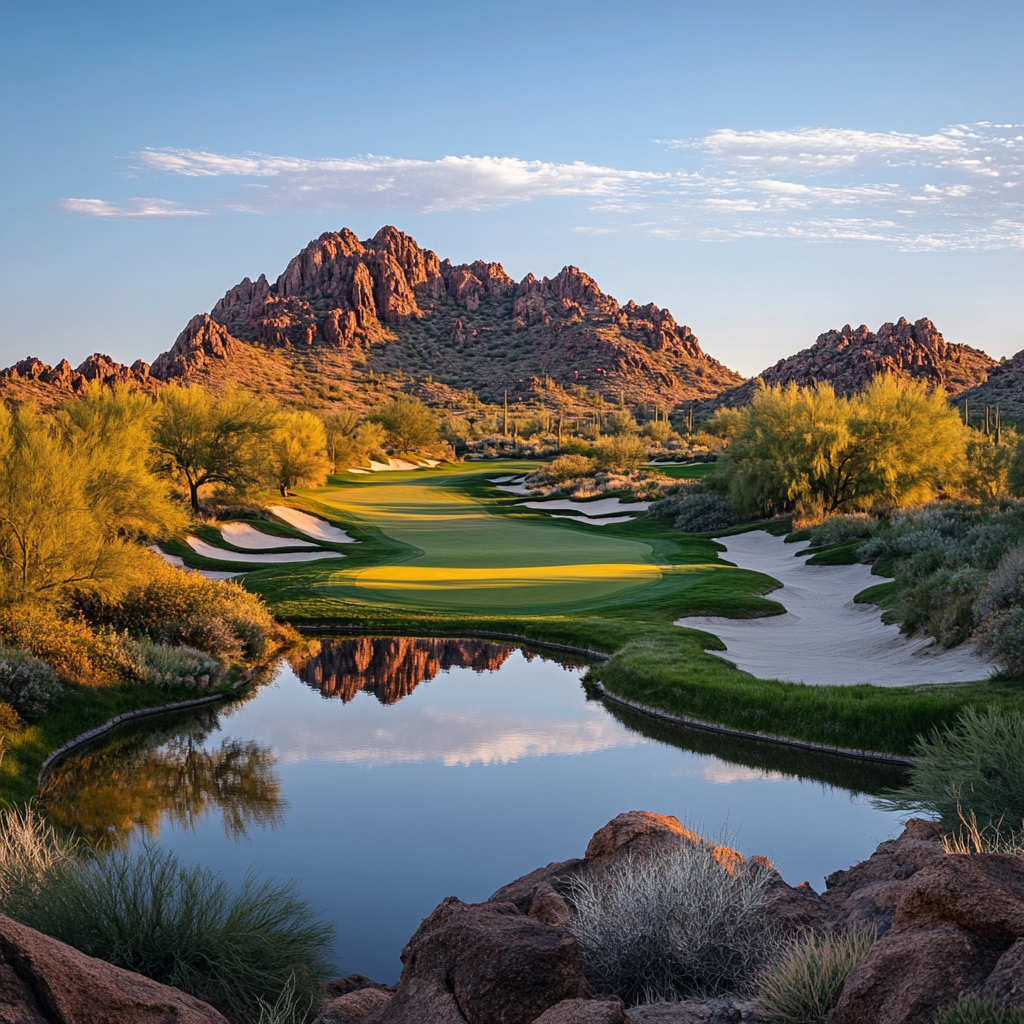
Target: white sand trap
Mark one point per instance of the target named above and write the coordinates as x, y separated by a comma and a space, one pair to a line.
311, 526
242, 535
179, 563
824, 639
513, 488
597, 522
200, 547
601, 507
401, 465
501, 479
359, 471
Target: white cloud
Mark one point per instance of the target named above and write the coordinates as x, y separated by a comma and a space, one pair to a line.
453, 182
954, 188
137, 208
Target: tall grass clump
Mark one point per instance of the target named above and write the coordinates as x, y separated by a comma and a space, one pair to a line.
973, 769
839, 529
671, 925
804, 982
30, 851
972, 1009
972, 838
182, 926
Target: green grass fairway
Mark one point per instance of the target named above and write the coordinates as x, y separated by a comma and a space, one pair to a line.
443, 553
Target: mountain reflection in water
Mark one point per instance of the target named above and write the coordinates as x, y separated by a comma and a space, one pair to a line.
148, 775
391, 667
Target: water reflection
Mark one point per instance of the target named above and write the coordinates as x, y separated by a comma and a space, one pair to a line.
391, 667
439, 767
169, 772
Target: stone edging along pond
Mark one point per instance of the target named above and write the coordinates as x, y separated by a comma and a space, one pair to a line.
127, 716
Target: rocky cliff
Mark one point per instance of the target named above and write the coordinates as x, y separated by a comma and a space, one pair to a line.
348, 316
851, 357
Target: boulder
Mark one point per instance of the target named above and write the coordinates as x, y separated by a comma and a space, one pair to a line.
354, 1007
585, 1011
485, 963
43, 981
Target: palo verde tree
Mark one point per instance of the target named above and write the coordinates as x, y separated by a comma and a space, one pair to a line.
298, 451
893, 443
204, 440
409, 424
76, 495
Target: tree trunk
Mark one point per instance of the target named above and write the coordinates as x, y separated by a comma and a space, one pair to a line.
193, 490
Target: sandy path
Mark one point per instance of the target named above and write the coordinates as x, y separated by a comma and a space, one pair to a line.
824, 638
242, 535
601, 507
200, 547
311, 526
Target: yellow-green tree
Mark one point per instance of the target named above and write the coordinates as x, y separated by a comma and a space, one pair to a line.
204, 440
340, 431
76, 495
409, 424
893, 442
299, 451
624, 453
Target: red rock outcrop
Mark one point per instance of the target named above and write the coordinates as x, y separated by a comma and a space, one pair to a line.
201, 343
43, 981
98, 367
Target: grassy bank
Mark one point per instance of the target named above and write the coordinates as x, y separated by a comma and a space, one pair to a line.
446, 553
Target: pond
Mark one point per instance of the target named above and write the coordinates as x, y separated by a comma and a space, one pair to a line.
386, 773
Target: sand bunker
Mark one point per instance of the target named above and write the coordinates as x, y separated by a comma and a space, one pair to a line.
824, 638
311, 526
242, 535
179, 563
513, 488
603, 506
200, 547
597, 522
400, 465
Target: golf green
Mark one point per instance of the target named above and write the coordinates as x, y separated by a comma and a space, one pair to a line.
465, 556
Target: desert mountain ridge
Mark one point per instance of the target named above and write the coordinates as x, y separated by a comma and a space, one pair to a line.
351, 321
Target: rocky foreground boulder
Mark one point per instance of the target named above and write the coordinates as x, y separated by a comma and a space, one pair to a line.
43, 981
948, 925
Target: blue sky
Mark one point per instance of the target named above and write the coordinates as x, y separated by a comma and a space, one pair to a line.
767, 171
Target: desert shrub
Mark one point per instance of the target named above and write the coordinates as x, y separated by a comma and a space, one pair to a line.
623, 452
175, 607
806, 979
843, 528
27, 684
705, 513
972, 838
972, 1009
10, 720
974, 767
184, 927
1002, 639
671, 925
67, 644
564, 468
177, 665
1004, 586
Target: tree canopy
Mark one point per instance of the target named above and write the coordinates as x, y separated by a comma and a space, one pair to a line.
892, 443
409, 424
206, 440
298, 451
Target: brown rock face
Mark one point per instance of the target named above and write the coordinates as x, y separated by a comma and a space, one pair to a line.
354, 1007
43, 981
63, 379
585, 1011
484, 963
201, 344
849, 359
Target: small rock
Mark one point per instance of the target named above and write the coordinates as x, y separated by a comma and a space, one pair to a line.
585, 1011
353, 1007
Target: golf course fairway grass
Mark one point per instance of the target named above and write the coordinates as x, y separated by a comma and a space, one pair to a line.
441, 552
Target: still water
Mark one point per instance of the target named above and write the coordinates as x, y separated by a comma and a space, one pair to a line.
387, 773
